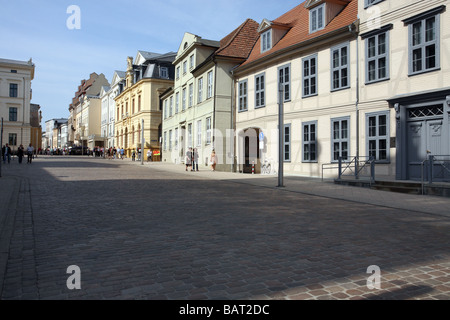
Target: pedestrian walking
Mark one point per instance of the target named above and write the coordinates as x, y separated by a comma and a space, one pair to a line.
122, 153
213, 160
195, 160
30, 151
189, 159
20, 153
133, 155
6, 153
149, 155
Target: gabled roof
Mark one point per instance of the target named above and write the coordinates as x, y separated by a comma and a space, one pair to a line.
240, 42
298, 19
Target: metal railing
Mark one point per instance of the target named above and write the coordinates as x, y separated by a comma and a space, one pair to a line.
357, 168
438, 168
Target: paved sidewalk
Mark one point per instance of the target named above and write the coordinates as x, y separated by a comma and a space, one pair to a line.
157, 232
327, 189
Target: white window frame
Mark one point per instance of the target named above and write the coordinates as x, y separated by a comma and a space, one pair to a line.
210, 85
317, 18
243, 95
309, 75
285, 80
260, 90
339, 138
208, 131
190, 142
177, 102
376, 57
310, 142
191, 95
287, 143
377, 137
183, 104
341, 67
199, 133
200, 90
266, 41
424, 43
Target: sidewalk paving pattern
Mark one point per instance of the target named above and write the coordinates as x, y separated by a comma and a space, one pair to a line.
158, 232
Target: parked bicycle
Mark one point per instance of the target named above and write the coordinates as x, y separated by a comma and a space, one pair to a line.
266, 167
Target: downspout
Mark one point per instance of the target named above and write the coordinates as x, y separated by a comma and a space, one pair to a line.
233, 119
355, 33
23, 113
214, 105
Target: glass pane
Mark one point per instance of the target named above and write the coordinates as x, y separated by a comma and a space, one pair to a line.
382, 43
344, 79
344, 129
373, 148
417, 33
313, 152
257, 100
335, 79
383, 150
336, 151
336, 130
306, 152
306, 87
286, 75
262, 83
320, 17
371, 47
344, 150
313, 66
344, 56
382, 71
371, 71
314, 20
313, 132
306, 133
335, 58
382, 126
430, 29
372, 127
257, 84
417, 60
306, 69
430, 60
287, 137
313, 86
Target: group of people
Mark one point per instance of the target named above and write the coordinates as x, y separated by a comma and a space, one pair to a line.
114, 153
191, 160
7, 153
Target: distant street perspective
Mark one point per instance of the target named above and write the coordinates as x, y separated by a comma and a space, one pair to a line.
85, 228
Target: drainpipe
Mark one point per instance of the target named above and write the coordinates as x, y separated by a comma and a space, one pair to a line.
23, 112
355, 33
233, 118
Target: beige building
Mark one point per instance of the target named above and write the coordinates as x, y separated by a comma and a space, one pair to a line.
198, 110
81, 125
405, 86
310, 53
15, 98
149, 75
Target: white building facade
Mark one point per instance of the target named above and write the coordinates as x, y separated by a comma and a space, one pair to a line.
108, 95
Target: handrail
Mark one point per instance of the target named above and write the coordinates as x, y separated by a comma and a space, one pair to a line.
432, 161
355, 166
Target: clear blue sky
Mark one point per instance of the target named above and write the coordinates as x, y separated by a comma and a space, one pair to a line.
110, 32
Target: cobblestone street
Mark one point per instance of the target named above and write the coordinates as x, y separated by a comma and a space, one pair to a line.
157, 232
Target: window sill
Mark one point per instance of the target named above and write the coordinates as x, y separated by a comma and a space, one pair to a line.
424, 72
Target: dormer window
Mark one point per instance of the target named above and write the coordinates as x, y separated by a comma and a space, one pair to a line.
317, 18
266, 41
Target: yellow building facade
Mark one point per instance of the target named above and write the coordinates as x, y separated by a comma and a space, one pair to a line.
138, 111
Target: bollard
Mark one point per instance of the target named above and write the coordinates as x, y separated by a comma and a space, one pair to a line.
253, 167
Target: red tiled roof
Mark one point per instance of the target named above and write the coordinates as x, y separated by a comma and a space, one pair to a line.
298, 18
240, 42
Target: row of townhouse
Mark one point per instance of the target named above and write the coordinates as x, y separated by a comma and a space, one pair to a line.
357, 78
